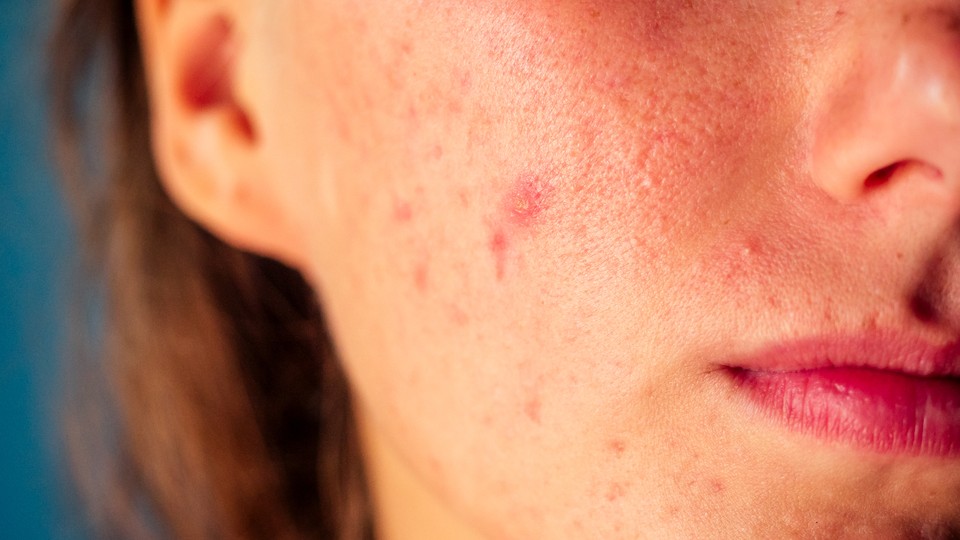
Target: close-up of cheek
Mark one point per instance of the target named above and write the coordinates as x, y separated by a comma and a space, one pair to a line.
514, 224
517, 219
538, 227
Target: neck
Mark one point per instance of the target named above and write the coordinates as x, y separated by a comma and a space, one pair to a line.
405, 506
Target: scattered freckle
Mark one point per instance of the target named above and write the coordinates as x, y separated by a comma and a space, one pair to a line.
420, 277
615, 491
617, 447
532, 409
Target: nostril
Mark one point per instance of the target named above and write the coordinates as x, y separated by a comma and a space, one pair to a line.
883, 176
923, 309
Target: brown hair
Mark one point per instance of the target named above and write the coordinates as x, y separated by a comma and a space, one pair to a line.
227, 413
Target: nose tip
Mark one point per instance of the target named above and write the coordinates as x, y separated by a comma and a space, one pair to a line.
894, 113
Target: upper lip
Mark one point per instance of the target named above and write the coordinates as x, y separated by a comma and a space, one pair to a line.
886, 351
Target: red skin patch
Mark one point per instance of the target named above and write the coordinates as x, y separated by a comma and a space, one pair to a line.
498, 247
520, 210
420, 277
532, 409
402, 212
616, 491
459, 316
526, 201
617, 447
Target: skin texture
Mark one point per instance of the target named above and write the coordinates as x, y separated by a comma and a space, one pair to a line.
538, 228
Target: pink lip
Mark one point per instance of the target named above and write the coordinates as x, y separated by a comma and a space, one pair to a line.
880, 393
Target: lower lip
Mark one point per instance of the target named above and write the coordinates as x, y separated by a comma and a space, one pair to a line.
881, 411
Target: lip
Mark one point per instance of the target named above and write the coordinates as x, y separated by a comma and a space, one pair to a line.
879, 393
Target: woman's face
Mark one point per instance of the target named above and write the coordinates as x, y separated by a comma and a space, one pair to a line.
587, 262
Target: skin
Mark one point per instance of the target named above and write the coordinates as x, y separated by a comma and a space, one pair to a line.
538, 228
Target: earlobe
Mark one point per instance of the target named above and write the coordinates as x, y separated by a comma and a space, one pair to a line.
205, 137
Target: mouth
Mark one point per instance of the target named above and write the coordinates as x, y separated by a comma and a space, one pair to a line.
879, 393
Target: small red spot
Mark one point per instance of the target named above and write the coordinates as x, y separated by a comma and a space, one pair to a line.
402, 212
617, 447
498, 247
466, 81
532, 409
615, 491
717, 485
458, 316
420, 277
464, 198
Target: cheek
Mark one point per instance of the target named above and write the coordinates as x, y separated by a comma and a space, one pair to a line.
516, 206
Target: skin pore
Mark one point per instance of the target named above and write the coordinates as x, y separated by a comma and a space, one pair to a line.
539, 228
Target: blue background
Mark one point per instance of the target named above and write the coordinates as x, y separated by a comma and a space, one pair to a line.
35, 247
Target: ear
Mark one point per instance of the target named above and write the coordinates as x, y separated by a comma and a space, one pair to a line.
204, 123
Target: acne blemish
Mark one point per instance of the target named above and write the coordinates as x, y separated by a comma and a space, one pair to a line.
717, 486
420, 277
532, 409
402, 212
521, 209
615, 491
464, 197
617, 447
526, 200
458, 316
498, 247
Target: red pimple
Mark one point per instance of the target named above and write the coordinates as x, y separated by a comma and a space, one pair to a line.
520, 209
526, 200
617, 447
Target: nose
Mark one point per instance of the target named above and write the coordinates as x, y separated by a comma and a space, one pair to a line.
893, 115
